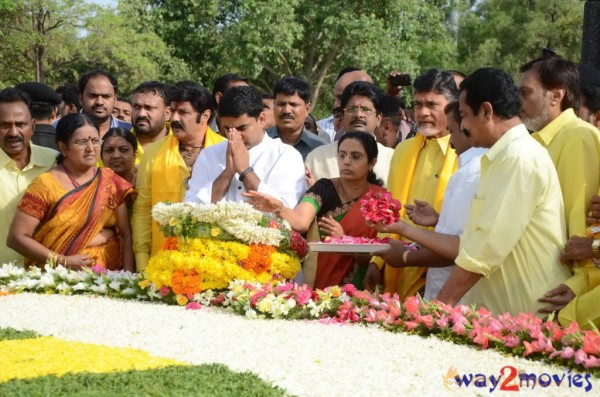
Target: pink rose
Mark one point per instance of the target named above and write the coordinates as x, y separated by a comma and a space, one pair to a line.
193, 306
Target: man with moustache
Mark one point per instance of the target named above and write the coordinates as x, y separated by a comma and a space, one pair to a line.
550, 95
20, 161
249, 160
320, 157
166, 165
97, 93
420, 169
150, 113
361, 111
292, 105
509, 249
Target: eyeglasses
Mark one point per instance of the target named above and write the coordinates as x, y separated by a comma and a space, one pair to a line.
354, 109
83, 143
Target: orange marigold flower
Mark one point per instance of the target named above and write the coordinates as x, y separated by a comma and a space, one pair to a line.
259, 258
186, 282
170, 243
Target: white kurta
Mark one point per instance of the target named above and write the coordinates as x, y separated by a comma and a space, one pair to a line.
455, 211
279, 167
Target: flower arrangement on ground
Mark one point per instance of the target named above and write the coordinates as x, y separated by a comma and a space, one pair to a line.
207, 246
522, 335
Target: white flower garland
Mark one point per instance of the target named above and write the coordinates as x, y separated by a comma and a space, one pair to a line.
238, 219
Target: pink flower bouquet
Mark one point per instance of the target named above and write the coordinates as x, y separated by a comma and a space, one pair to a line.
380, 207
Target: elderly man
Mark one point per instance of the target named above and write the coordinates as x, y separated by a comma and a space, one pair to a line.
20, 161
501, 265
550, 95
249, 160
292, 106
420, 170
166, 165
97, 93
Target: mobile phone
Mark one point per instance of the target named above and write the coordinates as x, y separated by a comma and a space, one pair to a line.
400, 80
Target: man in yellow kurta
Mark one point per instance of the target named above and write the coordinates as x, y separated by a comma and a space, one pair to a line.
549, 94
20, 161
149, 115
165, 166
501, 264
420, 169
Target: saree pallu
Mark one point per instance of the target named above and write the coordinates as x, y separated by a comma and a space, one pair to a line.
70, 220
332, 269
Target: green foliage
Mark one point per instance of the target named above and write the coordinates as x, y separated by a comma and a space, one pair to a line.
171, 40
508, 33
184, 381
11, 333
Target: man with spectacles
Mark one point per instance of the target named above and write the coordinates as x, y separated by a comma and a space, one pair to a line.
420, 169
360, 103
20, 161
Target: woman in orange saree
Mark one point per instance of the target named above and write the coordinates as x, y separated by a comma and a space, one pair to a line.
335, 204
75, 214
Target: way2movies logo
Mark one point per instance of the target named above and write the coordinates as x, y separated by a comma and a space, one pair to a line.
511, 379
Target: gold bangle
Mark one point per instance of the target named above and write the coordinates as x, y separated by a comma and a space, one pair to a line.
405, 257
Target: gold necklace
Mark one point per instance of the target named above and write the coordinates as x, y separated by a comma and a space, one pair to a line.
189, 154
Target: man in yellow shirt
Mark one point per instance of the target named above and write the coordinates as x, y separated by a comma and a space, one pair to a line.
420, 169
501, 264
20, 161
150, 114
549, 94
166, 165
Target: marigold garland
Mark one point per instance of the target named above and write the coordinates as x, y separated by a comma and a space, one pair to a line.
170, 243
186, 282
219, 262
259, 258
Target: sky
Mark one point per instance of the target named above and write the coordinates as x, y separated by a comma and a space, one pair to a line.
104, 2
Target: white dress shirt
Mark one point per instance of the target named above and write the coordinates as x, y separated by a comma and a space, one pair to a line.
455, 211
279, 167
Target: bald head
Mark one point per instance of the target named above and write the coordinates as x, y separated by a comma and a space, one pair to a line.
345, 80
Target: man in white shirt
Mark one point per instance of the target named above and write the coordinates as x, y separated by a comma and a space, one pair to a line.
249, 160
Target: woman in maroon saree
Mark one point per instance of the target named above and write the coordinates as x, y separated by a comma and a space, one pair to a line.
335, 204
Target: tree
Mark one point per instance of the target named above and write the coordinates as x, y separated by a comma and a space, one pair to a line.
266, 40
508, 33
36, 34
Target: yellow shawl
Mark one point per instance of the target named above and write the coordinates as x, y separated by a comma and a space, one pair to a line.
169, 174
407, 281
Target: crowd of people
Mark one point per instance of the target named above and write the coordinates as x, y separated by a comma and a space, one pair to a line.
499, 180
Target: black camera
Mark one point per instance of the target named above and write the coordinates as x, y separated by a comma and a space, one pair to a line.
400, 80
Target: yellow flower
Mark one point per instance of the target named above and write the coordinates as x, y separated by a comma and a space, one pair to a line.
215, 231
181, 300
173, 222
32, 358
144, 284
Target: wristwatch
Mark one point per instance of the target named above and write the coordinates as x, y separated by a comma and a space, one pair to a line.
596, 248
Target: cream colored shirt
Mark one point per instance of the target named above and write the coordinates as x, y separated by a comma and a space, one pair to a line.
14, 182
516, 230
322, 162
